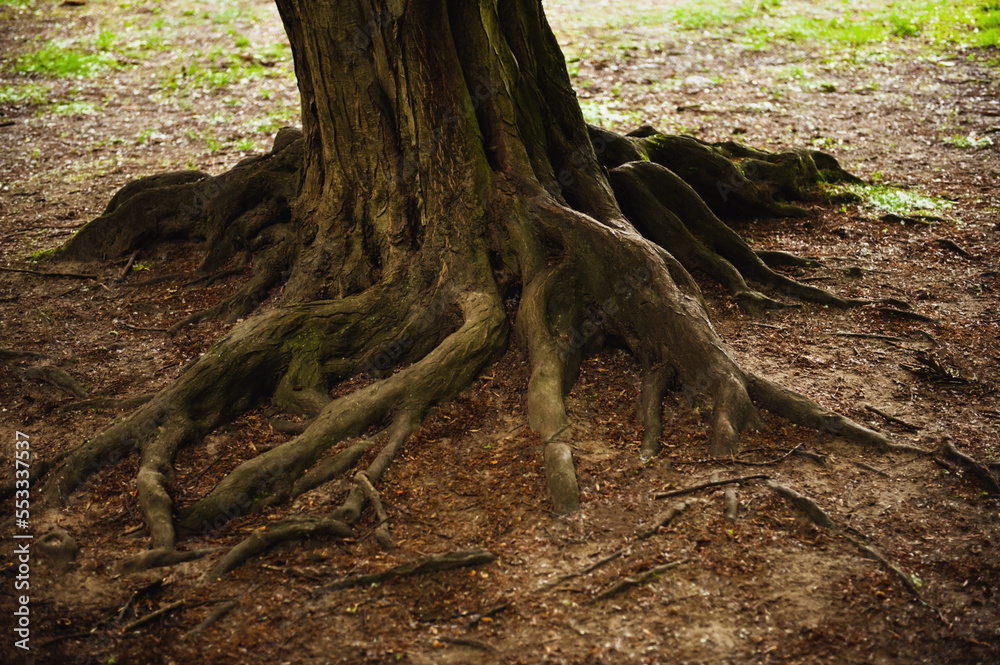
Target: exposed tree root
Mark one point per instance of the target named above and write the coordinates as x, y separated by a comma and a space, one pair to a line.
731, 505
395, 262
14, 354
893, 419
984, 475
805, 412
429, 564
160, 558
654, 386
330, 468
820, 518
57, 378
816, 514
382, 529
292, 529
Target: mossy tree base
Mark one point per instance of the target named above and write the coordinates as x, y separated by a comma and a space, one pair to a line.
463, 175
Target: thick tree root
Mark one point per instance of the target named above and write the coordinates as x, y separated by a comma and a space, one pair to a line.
734, 180
654, 387
803, 411
330, 468
669, 212
816, 514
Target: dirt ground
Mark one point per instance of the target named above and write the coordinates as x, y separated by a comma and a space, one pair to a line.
770, 587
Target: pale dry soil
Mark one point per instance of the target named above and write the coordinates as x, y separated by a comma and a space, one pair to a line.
769, 588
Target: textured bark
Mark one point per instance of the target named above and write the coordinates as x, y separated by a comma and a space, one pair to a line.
443, 167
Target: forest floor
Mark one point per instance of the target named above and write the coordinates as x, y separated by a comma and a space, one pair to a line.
96, 93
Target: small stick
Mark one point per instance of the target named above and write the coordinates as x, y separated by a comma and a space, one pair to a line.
954, 246
589, 569
887, 338
716, 483
71, 275
128, 265
635, 580
213, 616
893, 419
153, 616
664, 520
869, 467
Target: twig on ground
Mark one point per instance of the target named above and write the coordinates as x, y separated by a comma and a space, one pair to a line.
715, 483
893, 419
128, 265
869, 467
69, 275
427, 564
219, 612
586, 571
153, 616
635, 580
664, 520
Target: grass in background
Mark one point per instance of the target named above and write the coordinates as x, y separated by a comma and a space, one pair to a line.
61, 59
760, 24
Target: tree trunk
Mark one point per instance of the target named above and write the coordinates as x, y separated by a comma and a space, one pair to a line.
443, 167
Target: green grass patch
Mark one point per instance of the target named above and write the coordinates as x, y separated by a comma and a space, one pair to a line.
606, 116
60, 59
74, 108
971, 140
27, 93
42, 255
986, 18
759, 24
887, 199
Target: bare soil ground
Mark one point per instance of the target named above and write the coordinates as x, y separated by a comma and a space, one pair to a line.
769, 588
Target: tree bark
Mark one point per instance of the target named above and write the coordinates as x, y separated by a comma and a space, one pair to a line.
443, 167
